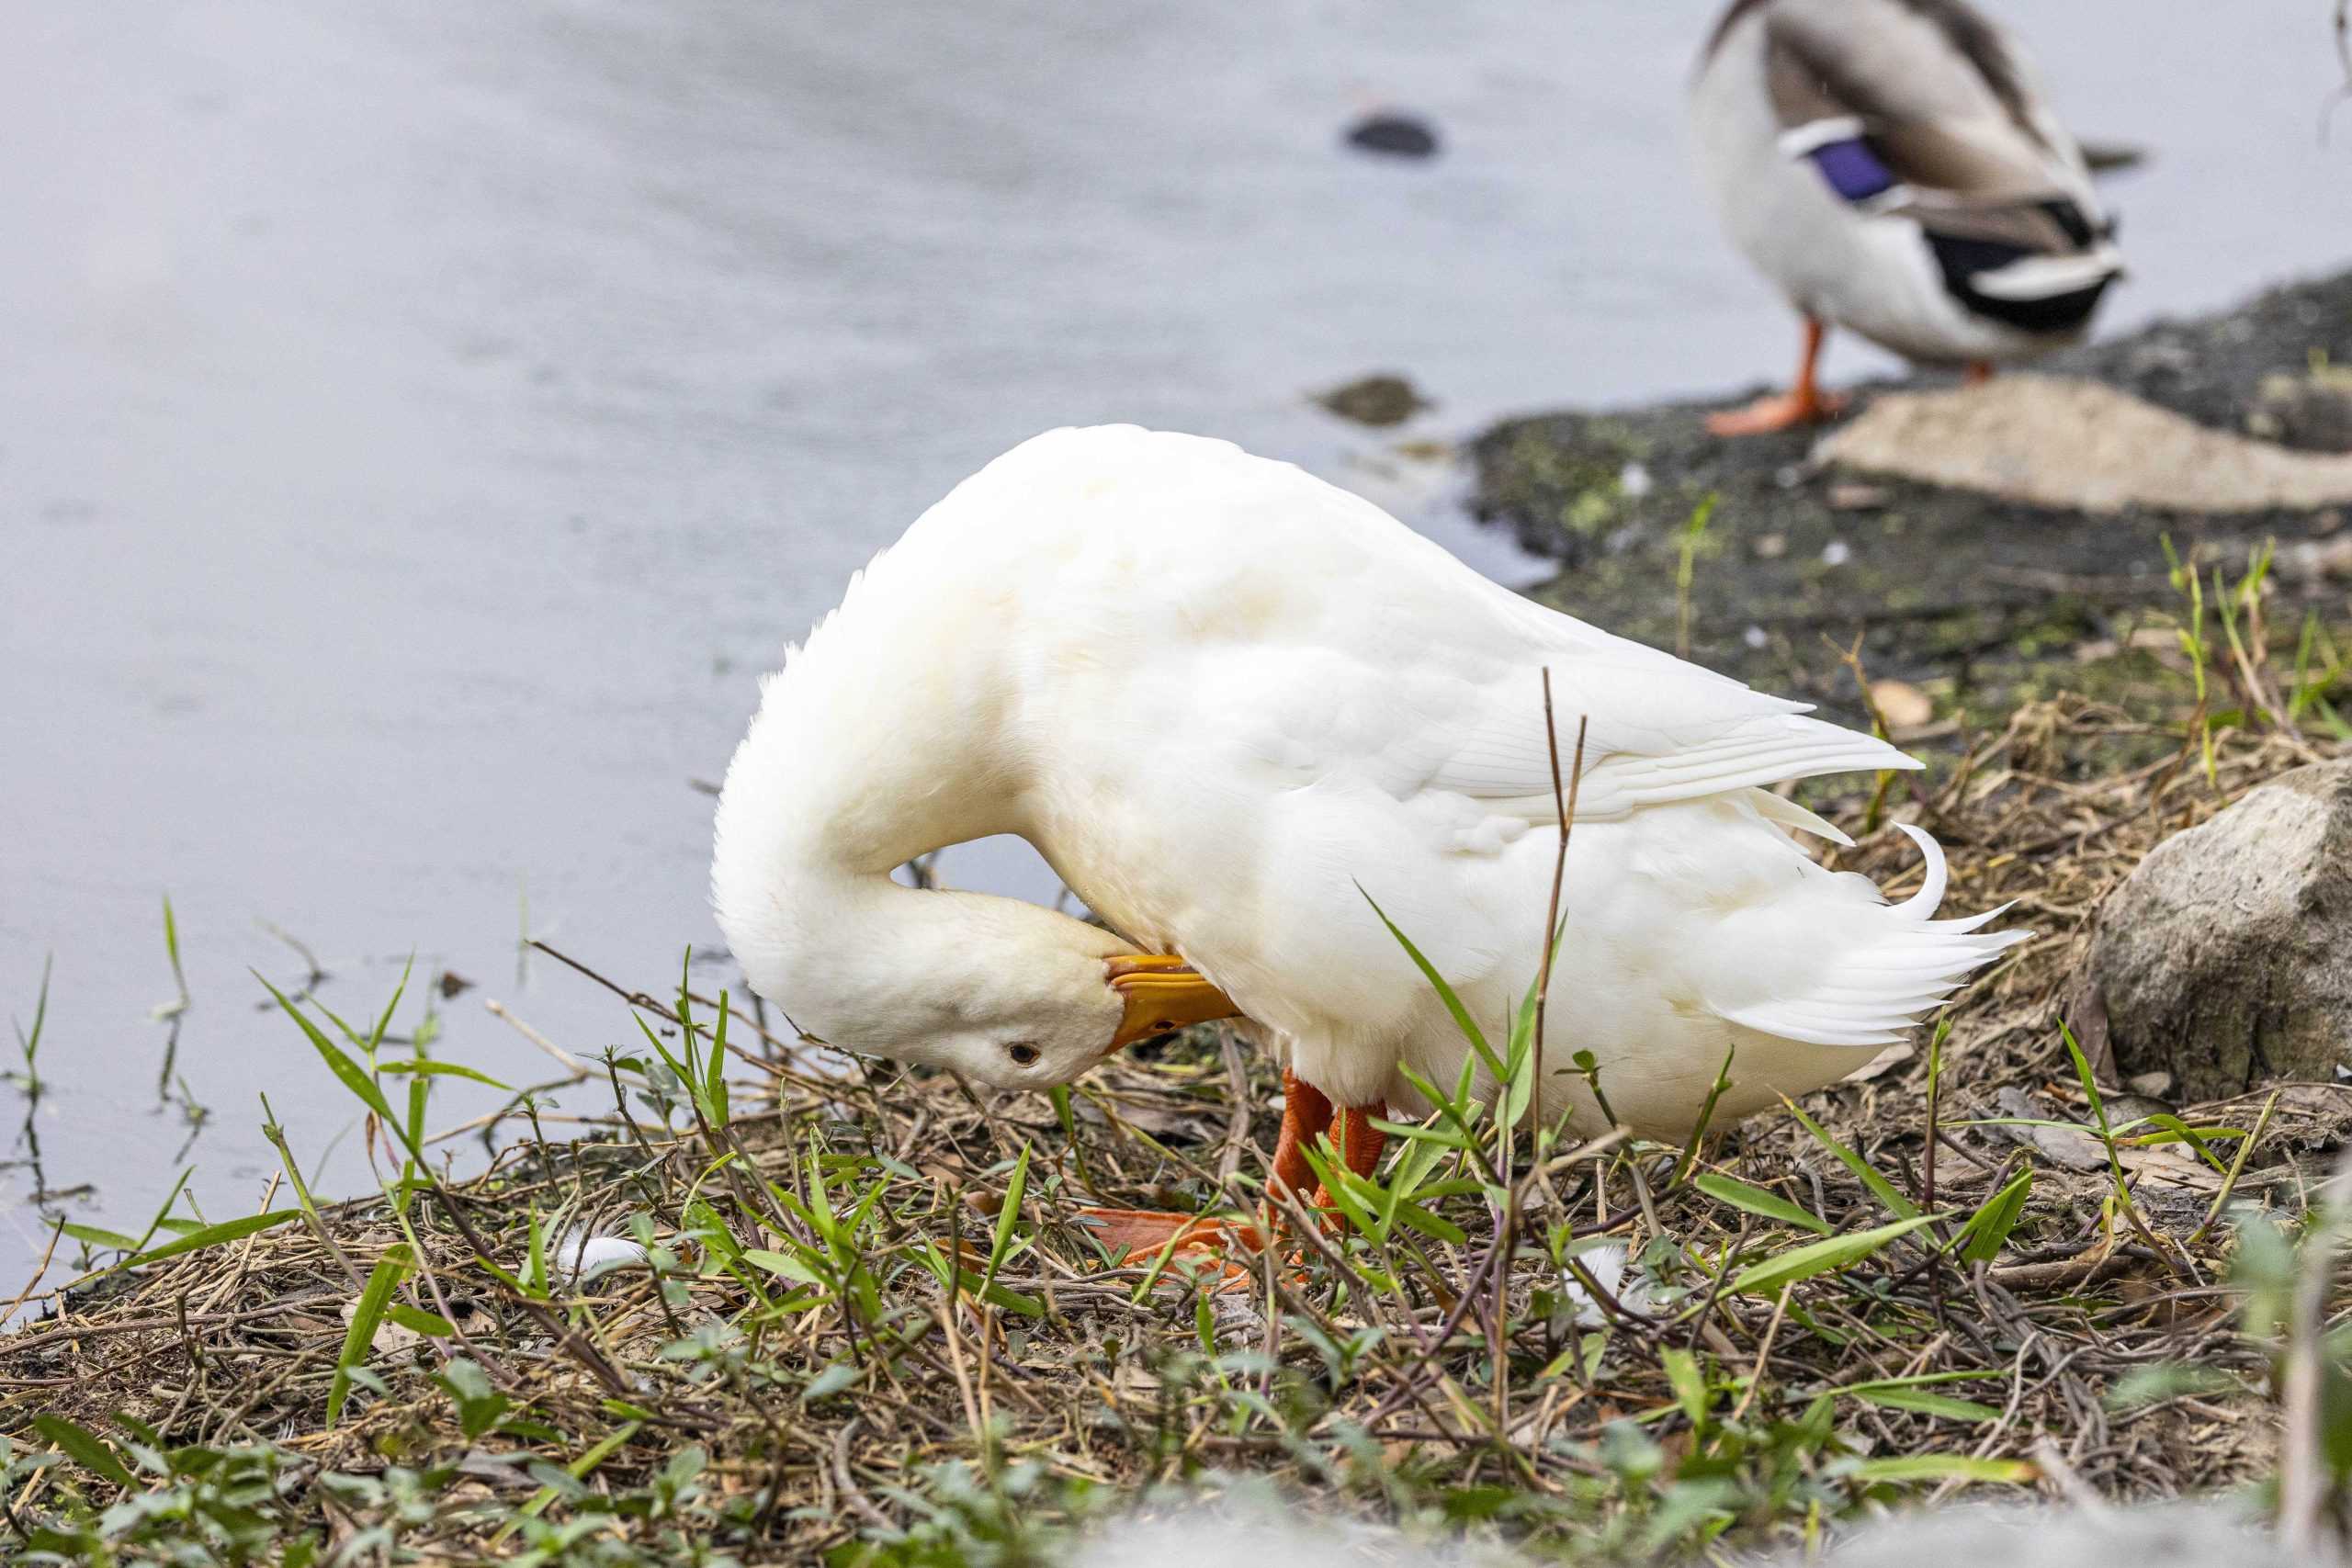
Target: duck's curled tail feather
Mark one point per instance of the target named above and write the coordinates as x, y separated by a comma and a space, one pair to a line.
1873, 969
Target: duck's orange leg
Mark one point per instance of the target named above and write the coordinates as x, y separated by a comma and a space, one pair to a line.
1307, 1114
1977, 373
1805, 404
1359, 1141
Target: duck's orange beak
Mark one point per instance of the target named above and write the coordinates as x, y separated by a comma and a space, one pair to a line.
1163, 992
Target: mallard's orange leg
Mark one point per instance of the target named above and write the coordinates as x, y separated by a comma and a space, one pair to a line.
1805, 404
1978, 372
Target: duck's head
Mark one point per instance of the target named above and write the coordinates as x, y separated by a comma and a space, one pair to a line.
996, 989
888, 734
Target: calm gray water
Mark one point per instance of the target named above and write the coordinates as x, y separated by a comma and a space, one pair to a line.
418, 426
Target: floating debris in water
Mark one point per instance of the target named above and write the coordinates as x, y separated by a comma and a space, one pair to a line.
1393, 135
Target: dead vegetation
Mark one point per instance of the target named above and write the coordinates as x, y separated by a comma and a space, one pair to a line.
861, 1323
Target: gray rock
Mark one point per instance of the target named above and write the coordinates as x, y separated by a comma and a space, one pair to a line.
2313, 411
2080, 446
1377, 400
2226, 957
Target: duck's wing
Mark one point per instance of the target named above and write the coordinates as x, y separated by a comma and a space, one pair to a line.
1244, 604
1925, 108
1470, 720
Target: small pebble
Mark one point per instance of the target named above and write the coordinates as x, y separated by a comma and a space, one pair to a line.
1378, 400
1902, 705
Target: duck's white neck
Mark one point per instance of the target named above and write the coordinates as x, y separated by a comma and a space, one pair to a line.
883, 738
886, 737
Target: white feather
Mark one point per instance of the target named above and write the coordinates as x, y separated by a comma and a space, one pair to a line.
1234, 706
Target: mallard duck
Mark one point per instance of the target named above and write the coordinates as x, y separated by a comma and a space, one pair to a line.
1234, 707
1892, 166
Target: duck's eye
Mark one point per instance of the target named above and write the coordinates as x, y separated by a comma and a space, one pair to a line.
1023, 1054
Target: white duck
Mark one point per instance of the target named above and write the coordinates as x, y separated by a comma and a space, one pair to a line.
1892, 166
1232, 705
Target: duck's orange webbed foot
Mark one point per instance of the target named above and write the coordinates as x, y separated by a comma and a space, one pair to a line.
1145, 1233
1154, 1239
1781, 411
1142, 1236
1805, 404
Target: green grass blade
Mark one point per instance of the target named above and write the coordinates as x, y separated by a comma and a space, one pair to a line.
163, 1212
365, 1320
214, 1236
1007, 1214
1690, 1385
714, 1070
98, 1238
1927, 1404
1944, 1467
427, 1068
1756, 1201
1988, 1229
29, 1045
1821, 1256
603, 1450
1864, 1172
86, 1449
1461, 1018
2099, 1105
416, 1320
384, 1019
354, 1077
664, 1052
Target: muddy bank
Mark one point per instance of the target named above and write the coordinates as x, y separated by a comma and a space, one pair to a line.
1979, 601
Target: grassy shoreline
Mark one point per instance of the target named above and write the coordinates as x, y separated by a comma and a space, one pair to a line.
870, 1332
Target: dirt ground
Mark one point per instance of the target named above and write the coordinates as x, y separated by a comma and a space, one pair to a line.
1978, 602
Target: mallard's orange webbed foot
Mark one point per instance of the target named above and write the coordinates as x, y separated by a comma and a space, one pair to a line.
1781, 411
1805, 404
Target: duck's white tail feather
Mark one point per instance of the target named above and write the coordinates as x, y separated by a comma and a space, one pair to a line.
1769, 750
1923, 904
1789, 814
1862, 973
